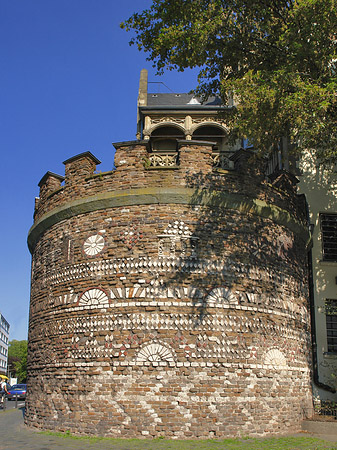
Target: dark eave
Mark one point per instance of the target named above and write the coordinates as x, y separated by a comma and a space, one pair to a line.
187, 108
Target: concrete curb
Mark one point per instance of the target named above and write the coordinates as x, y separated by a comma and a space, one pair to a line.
320, 427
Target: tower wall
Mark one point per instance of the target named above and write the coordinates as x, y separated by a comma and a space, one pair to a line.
169, 300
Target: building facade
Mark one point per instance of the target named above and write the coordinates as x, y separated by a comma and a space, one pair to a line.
4, 341
319, 185
169, 297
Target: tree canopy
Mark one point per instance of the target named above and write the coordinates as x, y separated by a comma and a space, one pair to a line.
17, 359
277, 57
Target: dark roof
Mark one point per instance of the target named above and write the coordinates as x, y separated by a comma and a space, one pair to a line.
172, 99
52, 175
83, 155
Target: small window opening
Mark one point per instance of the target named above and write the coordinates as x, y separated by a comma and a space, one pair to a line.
329, 236
331, 324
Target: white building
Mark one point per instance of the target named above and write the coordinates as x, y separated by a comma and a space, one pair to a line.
4, 340
320, 188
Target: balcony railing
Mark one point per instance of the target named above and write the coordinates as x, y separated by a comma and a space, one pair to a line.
222, 161
162, 160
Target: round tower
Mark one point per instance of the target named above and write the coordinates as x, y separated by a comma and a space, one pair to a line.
168, 297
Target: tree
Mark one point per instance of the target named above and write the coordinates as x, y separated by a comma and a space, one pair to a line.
278, 58
17, 359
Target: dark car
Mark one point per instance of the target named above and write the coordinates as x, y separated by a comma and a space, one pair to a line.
17, 390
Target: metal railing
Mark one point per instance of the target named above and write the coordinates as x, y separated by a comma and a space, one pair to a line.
326, 408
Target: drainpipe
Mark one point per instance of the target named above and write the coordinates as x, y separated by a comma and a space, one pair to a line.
313, 330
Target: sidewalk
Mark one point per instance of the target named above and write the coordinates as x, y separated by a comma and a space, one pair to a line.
14, 435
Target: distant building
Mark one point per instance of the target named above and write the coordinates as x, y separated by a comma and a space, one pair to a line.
4, 339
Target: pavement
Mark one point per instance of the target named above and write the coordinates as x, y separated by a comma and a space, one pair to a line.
14, 435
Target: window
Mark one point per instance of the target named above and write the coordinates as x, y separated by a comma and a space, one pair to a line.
329, 236
331, 324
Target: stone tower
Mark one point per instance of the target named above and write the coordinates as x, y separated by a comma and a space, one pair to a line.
169, 296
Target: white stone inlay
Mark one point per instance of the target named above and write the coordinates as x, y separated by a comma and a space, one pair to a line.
221, 295
94, 297
154, 352
93, 245
275, 358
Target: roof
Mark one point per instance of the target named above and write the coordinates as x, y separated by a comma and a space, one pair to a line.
50, 174
176, 99
83, 155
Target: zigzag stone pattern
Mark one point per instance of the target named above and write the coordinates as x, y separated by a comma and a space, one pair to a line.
177, 309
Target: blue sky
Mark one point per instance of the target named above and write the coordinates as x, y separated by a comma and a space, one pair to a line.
69, 83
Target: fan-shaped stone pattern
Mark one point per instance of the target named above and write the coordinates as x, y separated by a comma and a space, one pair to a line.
275, 358
93, 297
93, 245
221, 295
154, 353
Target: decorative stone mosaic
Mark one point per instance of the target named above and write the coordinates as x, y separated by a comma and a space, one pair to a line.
131, 236
108, 267
93, 297
154, 352
177, 238
221, 295
93, 245
275, 358
133, 321
196, 299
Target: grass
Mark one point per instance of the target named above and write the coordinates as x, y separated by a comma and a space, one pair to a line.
246, 443
69, 441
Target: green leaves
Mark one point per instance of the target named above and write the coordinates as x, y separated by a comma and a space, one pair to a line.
278, 57
17, 359
282, 103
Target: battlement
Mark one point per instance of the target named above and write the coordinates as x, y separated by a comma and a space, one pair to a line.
193, 165
79, 167
135, 166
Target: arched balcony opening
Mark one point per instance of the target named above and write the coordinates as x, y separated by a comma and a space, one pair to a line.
221, 150
212, 133
164, 139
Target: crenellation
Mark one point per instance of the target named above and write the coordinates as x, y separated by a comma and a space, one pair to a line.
49, 183
79, 167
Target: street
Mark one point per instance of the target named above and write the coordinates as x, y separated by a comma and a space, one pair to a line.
12, 404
